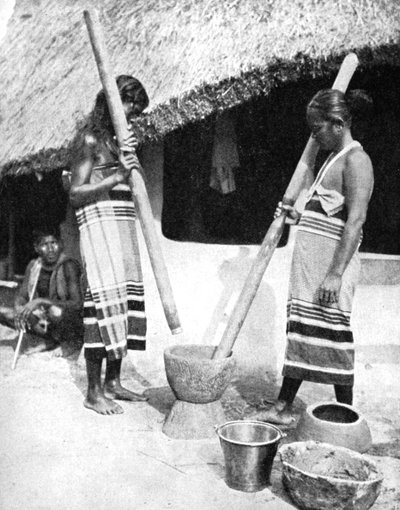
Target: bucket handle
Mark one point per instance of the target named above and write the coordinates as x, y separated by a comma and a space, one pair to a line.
281, 433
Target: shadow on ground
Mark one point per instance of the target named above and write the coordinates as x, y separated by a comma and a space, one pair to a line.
242, 397
160, 399
388, 449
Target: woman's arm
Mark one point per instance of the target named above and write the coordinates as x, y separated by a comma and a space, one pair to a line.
358, 184
82, 192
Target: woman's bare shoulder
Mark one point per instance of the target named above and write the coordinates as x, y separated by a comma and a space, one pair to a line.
358, 170
86, 147
90, 140
358, 160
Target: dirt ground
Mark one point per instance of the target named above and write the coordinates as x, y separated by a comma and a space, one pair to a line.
55, 454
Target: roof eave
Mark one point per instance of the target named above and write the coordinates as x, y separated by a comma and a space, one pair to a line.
208, 99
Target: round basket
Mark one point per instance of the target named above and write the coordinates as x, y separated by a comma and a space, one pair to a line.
322, 476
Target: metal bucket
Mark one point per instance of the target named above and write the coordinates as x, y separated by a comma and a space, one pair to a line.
249, 449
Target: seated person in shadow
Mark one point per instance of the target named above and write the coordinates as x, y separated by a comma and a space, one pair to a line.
52, 316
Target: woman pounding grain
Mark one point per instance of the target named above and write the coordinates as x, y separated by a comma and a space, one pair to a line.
114, 315
325, 264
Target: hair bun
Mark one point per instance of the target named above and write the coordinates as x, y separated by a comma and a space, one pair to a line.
359, 103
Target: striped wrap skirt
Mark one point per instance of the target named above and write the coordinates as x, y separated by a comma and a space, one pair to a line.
320, 344
114, 308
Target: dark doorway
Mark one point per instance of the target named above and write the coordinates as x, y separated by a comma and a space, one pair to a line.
271, 133
33, 201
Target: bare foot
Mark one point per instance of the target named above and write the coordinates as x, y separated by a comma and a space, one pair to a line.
279, 414
114, 390
66, 351
273, 416
102, 405
57, 352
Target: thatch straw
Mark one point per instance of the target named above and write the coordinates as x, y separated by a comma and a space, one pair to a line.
193, 56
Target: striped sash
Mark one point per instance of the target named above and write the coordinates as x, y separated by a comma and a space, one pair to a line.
320, 344
114, 311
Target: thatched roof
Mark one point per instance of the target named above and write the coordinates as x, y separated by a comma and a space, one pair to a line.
193, 56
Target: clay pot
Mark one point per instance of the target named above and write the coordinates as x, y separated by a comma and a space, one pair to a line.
321, 476
194, 376
334, 423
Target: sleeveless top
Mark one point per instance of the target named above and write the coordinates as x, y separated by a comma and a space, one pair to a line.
331, 201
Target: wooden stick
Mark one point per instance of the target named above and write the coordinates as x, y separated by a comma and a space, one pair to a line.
11, 238
136, 182
17, 349
274, 233
21, 333
346, 71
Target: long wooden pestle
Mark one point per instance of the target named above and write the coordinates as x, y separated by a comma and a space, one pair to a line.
136, 181
274, 232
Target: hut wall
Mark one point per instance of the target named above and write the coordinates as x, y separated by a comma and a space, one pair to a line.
207, 280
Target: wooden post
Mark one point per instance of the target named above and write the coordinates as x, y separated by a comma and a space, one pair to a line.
11, 239
274, 233
136, 182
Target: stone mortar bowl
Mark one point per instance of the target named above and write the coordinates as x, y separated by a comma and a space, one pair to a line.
194, 376
335, 423
322, 476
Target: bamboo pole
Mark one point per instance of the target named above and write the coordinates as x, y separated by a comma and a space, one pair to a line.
274, 233
136, 181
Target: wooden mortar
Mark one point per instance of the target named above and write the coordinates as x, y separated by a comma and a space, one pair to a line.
198, 382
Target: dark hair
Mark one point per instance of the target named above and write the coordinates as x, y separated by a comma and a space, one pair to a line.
99, 121
44, 231
130, 89
337, 107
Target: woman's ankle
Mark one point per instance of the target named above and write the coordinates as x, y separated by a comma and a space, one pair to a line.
281, 405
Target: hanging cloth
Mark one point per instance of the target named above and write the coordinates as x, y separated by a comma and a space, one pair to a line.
225, 157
